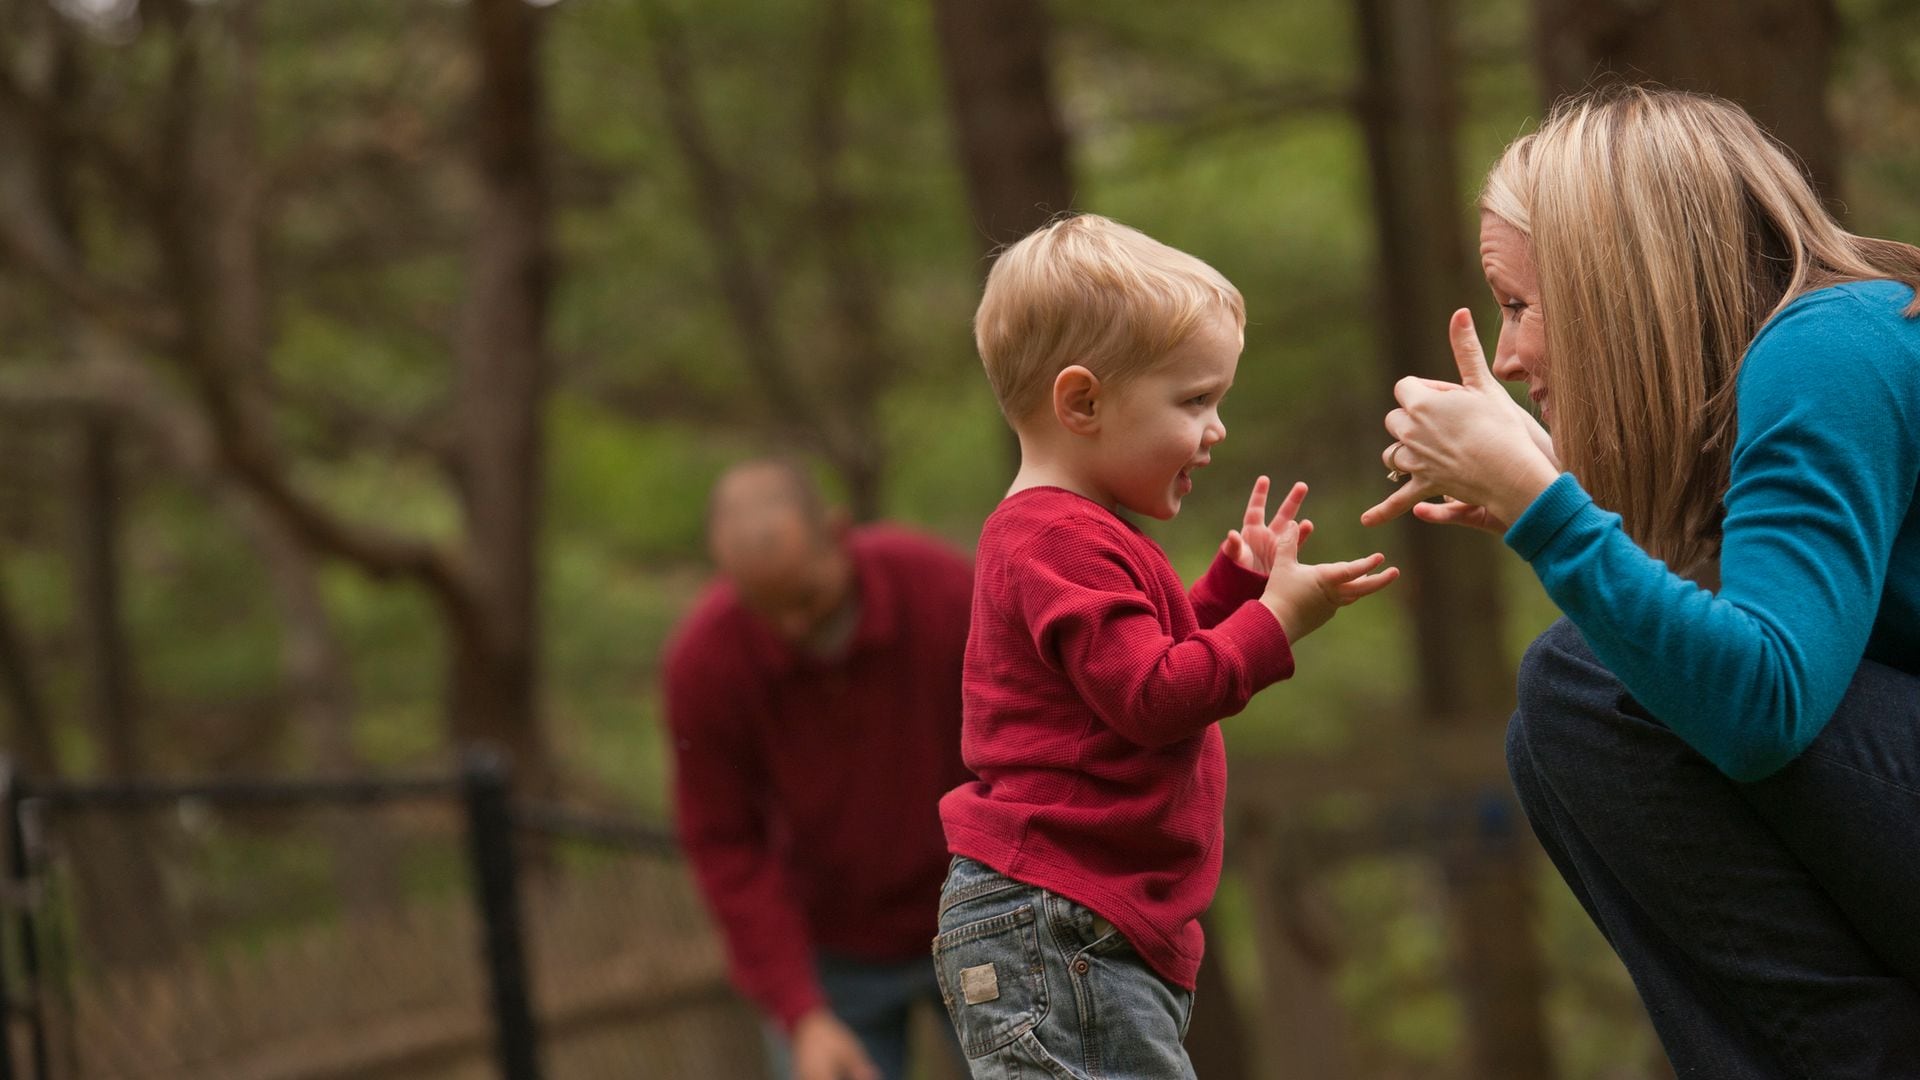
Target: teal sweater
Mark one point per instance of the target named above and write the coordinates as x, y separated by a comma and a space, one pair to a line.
1820, 563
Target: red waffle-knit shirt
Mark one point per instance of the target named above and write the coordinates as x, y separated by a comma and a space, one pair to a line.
1092, 692
806, 790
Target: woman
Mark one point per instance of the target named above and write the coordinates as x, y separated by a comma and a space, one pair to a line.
1719, 746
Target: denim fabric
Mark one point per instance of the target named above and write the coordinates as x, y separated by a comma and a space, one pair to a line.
876, 1001
1040, 986
1771, 928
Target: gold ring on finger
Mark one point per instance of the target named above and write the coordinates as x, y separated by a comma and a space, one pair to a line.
1395, 473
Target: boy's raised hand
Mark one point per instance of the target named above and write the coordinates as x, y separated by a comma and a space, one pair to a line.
1303, 596
1253, 545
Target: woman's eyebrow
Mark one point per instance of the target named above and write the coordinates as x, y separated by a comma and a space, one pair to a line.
1499, 282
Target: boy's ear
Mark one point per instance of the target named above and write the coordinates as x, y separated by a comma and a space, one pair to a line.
1076, 399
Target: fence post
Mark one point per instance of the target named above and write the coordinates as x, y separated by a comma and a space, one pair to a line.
19, 900
496, 880
7, 901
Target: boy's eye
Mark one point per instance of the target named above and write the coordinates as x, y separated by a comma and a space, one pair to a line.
1201, 399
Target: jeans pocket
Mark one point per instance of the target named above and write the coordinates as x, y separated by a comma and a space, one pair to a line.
992, 979
1076, 926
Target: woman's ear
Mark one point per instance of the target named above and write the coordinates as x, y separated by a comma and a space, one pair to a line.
1076, 399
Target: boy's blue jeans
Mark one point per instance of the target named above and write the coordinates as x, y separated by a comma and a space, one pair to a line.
1772, 928
1039, 986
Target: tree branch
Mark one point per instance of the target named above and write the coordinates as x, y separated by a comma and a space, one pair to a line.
865, 360
134, 314
743, 287
132, 392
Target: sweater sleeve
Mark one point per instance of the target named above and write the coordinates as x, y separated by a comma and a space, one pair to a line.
1091, 616
1222, 589
718, 792
1824, 471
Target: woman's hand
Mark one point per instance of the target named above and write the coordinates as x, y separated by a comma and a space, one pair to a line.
1469, 442
1455, 512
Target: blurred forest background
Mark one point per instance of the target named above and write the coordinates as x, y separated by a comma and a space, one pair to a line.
364, 363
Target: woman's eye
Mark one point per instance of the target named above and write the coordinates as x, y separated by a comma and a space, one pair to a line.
1514, 308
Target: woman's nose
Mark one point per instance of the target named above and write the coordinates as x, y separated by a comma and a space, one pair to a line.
1506, 363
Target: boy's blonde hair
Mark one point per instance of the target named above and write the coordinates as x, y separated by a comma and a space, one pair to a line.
1667, 229
1090, 291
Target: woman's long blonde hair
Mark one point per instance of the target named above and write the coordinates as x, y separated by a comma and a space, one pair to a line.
1666, 228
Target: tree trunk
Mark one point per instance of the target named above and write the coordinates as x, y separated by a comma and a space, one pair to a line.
1011, 143
1452, 581
116, 857
834, 413
1771, 56
28, 737
1013, 149
501, 395
868, 359
108, 681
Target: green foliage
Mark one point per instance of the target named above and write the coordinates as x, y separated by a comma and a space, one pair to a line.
191, 603
601, 707
398, 667
1398, 980
636, 492
963, 455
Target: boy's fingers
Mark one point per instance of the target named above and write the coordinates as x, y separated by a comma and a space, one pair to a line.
1257, 503
1342, 572
1286, 538
1230, 547
1306, 530
1368, 585
1290, 506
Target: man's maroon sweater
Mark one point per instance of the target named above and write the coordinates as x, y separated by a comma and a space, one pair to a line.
806, 789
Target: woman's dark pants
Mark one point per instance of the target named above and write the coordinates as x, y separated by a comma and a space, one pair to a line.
1772, 928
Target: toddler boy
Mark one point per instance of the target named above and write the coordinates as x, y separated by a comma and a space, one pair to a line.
1094, 682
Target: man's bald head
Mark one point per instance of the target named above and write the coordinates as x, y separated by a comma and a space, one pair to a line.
771, 535
749, 493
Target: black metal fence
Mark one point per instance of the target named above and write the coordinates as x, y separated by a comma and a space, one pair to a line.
422, 927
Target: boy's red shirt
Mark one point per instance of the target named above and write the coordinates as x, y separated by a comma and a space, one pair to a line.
805, 789
1092, 689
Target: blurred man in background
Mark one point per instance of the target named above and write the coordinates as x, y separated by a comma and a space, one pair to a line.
813, 702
